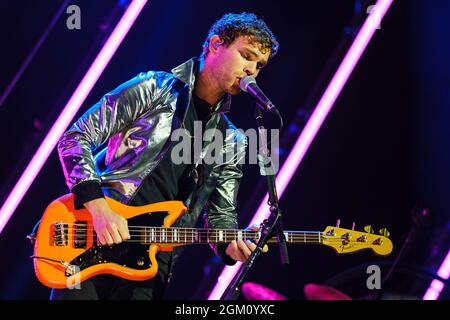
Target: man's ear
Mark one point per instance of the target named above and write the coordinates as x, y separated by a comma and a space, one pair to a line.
214, 43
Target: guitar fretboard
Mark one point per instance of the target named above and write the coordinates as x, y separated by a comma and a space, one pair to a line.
201, 236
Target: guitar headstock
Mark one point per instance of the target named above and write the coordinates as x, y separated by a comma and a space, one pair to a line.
348, 241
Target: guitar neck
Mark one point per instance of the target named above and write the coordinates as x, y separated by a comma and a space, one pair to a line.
205, 236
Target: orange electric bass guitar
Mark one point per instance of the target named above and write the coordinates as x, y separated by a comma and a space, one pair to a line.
66, 250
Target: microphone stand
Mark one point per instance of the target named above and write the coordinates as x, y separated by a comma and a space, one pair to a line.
269, 229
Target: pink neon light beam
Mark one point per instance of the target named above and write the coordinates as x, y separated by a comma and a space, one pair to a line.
69, 111
436, 286
312, 127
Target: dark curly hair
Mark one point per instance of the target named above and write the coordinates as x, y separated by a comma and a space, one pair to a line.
233, 25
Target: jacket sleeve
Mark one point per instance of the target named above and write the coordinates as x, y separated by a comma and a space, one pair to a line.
222, 203
114, 112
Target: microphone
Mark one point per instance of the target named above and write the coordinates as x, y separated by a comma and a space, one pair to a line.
248, 84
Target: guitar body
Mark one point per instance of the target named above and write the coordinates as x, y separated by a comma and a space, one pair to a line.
66, 252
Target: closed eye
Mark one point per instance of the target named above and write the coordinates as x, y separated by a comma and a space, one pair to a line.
245, 56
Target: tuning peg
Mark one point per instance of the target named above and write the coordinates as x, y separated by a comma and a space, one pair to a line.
369, 229
384, 232
338, 223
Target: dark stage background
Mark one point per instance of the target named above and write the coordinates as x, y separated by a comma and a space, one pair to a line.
383, 150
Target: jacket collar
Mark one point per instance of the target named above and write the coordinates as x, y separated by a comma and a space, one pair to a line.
186, 73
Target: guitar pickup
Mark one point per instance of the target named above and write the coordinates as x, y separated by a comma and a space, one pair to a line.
80, 234
60, 234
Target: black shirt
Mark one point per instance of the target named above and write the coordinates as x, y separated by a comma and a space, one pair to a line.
170, 181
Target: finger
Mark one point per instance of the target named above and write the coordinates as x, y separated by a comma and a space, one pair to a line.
253, 227
231, 248
251, 245
234, 252
123, 230
239, 255
100, 239
108, 239
115, 234
244, 249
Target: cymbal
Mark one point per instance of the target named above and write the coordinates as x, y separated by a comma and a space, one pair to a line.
319, 292
255, 291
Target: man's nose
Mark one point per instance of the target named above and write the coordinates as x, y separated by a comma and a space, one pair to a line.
250, 69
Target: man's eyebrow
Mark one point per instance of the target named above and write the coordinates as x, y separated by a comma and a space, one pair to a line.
252, 52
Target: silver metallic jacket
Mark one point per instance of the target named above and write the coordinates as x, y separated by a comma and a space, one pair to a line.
122, 138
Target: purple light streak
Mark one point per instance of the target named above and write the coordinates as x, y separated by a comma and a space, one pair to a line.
70, 110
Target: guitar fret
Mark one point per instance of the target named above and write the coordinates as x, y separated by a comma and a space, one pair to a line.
144, 236
286, 236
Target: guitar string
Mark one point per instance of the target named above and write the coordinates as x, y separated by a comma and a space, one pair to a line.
138, 228
143, 228
211, 234
84, 225
158, 232
212, 240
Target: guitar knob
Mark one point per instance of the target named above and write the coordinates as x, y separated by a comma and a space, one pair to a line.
384, 232
369, 229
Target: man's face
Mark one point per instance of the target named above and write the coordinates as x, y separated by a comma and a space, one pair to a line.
239, 59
